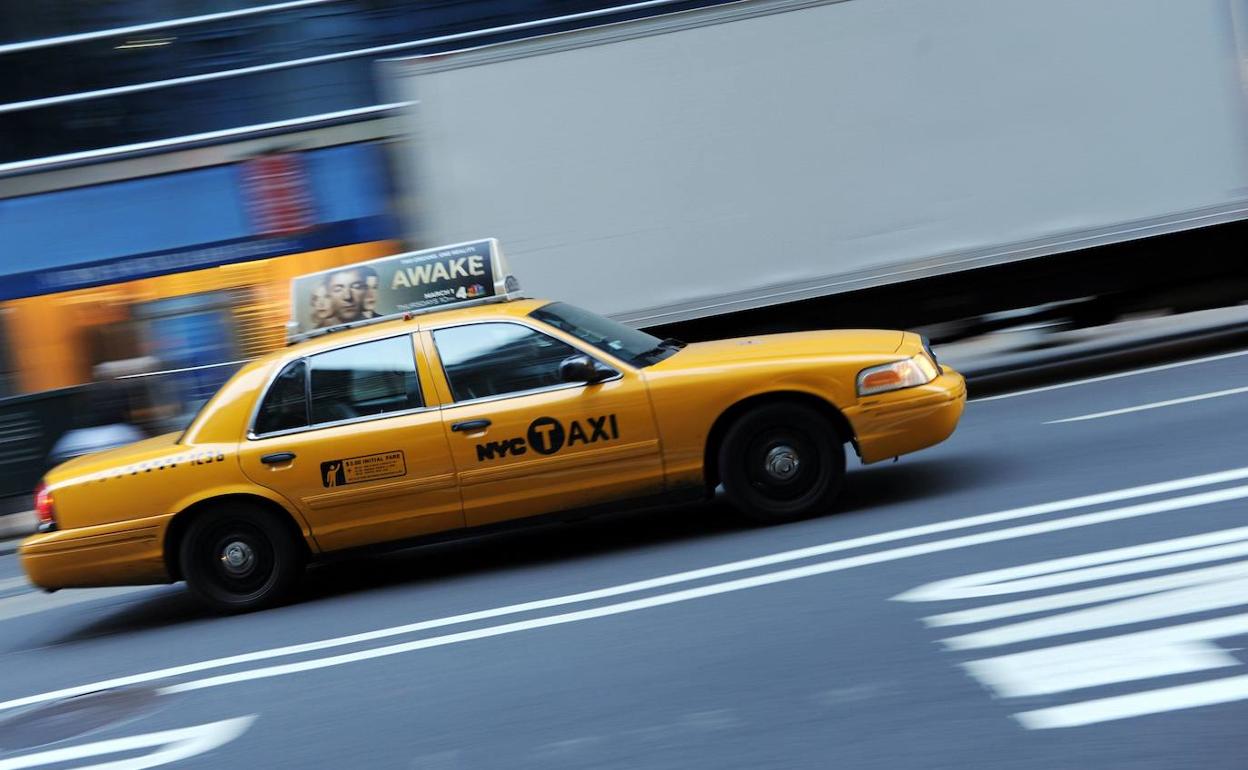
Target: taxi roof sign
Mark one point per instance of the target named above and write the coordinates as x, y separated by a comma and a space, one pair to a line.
402, 284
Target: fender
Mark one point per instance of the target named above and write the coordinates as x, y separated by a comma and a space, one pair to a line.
251, 490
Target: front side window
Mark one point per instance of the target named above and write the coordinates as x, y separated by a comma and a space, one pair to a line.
285, 406
491, 359
363, 380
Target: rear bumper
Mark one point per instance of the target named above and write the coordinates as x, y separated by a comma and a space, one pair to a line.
97, 556
904, 421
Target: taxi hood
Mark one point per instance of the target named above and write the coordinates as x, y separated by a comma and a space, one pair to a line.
853, 342
147, 449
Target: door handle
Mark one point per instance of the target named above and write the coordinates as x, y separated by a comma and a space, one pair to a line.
470, 425
277, 457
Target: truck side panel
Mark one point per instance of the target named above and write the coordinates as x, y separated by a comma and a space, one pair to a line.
761, 152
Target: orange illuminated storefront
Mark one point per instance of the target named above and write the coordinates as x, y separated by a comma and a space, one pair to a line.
184, 270
125, 304
66, 335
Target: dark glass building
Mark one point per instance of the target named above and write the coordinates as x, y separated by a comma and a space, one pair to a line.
82, 75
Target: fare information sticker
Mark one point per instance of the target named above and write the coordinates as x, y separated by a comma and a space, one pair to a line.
353, 470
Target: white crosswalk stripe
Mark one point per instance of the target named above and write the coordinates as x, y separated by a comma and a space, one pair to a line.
1149, 592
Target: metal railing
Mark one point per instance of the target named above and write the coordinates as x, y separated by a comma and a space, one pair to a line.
50, 101
200, 368
188, 141
138, 29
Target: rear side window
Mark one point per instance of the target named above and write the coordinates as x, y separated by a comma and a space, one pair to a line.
285, 406
491, 359
363, 380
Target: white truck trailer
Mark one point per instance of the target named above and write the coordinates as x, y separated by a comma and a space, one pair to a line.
766, 151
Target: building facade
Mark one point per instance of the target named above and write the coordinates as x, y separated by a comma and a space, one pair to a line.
167, 167
81, 76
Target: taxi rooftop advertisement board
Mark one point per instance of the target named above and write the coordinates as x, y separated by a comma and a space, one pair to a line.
413, 282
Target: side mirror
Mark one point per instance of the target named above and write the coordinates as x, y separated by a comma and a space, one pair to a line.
582, 368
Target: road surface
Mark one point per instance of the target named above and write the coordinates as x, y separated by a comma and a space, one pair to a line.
1062, 584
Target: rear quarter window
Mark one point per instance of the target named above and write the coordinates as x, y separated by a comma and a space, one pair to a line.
285, 405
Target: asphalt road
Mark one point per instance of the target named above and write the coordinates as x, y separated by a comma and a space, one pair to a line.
1030, 594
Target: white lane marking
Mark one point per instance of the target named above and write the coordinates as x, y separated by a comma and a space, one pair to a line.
25, 604
1089, 596
1097, 663
1034, 672
172, 746
8, 584
1085, 501
771, 578
1137, 704
1181, 601
1134, 567
1018, 579
1154, 405
1117, 375
1178, 649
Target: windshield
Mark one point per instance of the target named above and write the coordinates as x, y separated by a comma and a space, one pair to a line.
623, 342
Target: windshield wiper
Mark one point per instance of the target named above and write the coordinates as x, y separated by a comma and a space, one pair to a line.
671, 343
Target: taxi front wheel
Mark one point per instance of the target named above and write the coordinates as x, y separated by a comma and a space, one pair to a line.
239, 558
782, 462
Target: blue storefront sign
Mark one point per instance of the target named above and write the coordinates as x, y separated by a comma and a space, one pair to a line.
122, 231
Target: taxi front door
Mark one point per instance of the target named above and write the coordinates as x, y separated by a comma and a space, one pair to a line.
526, 443
366, 459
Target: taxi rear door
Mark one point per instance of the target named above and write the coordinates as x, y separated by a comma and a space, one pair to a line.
525, 442
348, 437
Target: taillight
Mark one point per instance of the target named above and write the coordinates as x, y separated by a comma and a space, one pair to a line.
45, 508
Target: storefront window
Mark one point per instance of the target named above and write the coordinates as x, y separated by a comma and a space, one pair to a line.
191, 342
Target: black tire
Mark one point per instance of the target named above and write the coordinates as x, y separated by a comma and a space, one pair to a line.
757, 468
239, 558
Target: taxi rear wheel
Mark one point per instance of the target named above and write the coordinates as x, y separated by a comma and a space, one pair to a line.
782, 462
239, 558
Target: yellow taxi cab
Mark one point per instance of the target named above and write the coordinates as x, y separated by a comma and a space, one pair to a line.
459, 416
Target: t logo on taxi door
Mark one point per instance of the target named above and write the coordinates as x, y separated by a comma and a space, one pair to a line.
546, 435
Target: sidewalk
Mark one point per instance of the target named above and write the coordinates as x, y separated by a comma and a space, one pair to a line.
1029, 355
1023, 356
14, 527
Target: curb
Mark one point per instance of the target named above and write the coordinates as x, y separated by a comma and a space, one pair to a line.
14, 528
1008, 371
9, 546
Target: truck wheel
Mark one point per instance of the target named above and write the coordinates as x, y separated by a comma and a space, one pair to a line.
239, 558
782, 462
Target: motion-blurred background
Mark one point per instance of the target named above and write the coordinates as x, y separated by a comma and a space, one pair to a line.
167, 167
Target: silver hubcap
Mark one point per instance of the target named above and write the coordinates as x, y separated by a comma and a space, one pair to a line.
238, 558
782, 462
